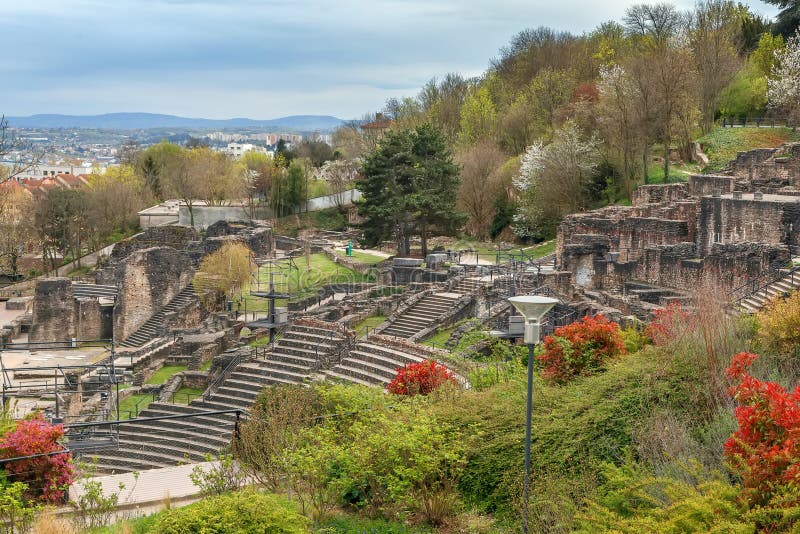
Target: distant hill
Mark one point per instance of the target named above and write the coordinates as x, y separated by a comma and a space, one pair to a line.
140, 121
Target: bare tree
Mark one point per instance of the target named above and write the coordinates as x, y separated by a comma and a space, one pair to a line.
480, 185
618, 119
662, 67
340, 175
714, 39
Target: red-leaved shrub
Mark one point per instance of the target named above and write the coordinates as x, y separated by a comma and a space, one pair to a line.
580, 348
765, 450
420, 378
667, 324
47, 477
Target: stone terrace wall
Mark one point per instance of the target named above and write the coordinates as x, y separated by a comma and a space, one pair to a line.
724, 220
679, 267
651, 194
705, 184
53, 310
149, 279
159, 236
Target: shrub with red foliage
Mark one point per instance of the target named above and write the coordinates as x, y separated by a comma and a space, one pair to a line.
47, 477
667, 324
580, 348
765, 450
420, 378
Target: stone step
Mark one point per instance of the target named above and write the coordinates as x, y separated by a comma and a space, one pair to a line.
112, 464
387, 373
255, 387
152, 453
161, 444
400, 331
320, 333
227, 403
363, 376
229, 391
337, 376
379, 359
301, 360
287, 377
231, 402
309, 353
217, 423
389, 353
199, 433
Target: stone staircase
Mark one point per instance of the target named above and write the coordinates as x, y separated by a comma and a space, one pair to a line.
470, 285
754, 302
371, 364
94, 291
168, 442
152, 327
421, 315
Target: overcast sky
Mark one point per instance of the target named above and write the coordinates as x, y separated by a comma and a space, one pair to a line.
258, 58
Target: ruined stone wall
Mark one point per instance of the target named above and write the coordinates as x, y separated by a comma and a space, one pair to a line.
90, 320
705, 184
637, 234
678, 266
53, 310
767, 169
726, 220
652, 194
149, 279
257, 235
177, 237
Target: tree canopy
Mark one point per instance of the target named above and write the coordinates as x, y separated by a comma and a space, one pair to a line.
409, 183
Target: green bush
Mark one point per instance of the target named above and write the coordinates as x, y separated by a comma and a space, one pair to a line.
632, 500
241, 512
359, 525
576, 427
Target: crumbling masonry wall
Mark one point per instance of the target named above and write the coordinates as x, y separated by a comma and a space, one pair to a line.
149, 279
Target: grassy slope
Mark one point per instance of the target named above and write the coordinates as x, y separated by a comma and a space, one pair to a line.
302, 281
722, 144
369, 323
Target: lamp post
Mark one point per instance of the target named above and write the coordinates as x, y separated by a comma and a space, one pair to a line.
532, 308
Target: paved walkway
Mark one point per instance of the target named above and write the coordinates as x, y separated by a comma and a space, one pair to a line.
150, 489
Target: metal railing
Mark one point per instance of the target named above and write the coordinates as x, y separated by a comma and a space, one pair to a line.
762, 281
238, 358
758, 122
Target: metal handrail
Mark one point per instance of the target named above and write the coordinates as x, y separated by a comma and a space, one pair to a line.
761, 282
235, 361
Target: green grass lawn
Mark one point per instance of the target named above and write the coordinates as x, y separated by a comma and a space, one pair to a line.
361, 257
655, 173
368, 324
128, 406
722, 144
163, 374
185, 395
488, 251
207, 365
439, 338
301, 280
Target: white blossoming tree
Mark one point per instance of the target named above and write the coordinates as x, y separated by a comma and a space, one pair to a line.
554, 180
783, 89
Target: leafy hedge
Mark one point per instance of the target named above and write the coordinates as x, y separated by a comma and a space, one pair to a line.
243, 512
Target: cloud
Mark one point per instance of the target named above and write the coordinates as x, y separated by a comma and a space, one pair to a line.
340, 57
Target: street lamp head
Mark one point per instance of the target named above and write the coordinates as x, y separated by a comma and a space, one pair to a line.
532, 308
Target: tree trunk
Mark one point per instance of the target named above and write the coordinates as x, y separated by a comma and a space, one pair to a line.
667, 141
645, 160
424, 240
